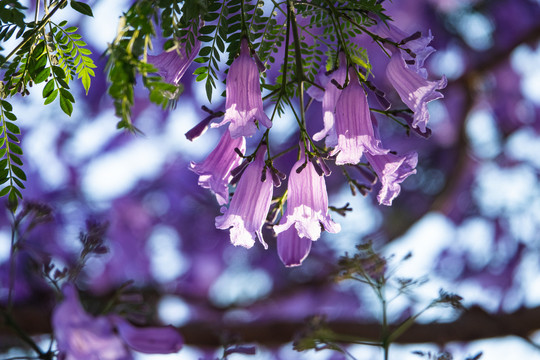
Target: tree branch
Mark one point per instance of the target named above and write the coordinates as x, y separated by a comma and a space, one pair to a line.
473, 324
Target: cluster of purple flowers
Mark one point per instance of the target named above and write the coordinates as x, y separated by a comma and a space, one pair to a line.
348, 130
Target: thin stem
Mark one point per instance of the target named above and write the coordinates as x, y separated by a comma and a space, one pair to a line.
245, 31
281, 153
300, 77
337, 27
36, 14
385, 333
12, 265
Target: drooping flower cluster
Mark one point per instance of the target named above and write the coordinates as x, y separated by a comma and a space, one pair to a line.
350, 134
80, 336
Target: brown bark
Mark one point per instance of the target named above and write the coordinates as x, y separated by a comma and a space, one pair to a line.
473, 324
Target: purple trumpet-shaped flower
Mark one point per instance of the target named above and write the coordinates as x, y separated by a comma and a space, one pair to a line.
243, 102
329, 98
353, 125
307, 203
307, 210
407, 74
249, 205
81, 336
416, 43
215, 172
173, 64
414, 90
150, 340
392, 170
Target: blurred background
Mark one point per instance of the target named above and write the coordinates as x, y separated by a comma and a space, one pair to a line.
470, 217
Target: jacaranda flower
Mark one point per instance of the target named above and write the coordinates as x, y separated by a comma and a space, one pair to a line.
249, 205
307, 203
173, 64
243, 102
148, 340
329, 98
408, 75
80, 336
353, 125
307, 210
215, 172
392, 170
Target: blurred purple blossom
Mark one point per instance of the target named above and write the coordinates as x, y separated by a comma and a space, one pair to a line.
149, 340
392, 170
243, 101
249, 205
215, 172
81, 336
353, 125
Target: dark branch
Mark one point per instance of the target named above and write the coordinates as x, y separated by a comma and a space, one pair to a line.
473, 324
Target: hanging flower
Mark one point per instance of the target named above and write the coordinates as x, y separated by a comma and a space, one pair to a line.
407, 74
249, 205
307, 203
215, 172
243, 103
414, 90
392, 170
173, 64
353, 125
329, 98
80, 336
307, 210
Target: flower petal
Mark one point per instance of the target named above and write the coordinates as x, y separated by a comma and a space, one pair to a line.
292, 249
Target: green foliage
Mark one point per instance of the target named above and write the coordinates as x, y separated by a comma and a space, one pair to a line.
47, 53
368, 267
67, 49
11, 20
127, 58
221, 24
11, 173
